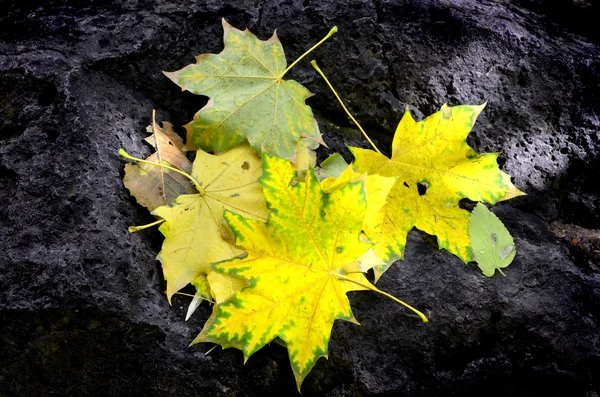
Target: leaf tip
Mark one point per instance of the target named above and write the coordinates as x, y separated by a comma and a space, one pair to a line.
512, 192
477, 109
226, 26
274, 38
446, 111
173, 77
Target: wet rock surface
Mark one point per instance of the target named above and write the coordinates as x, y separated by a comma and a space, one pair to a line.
82, 309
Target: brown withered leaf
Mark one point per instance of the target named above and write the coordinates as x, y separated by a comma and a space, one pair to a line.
154, 186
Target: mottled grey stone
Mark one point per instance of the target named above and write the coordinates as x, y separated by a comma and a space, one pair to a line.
82, 309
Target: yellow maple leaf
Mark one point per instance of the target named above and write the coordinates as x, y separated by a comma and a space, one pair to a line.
377, 189
194, 227
300, 265
435, 169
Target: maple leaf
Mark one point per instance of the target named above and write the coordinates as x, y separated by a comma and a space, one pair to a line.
249, 100
154, 186
435, 169
300, 265
493, 246
377, 189
193, 226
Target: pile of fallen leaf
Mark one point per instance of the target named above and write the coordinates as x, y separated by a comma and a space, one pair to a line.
276, 242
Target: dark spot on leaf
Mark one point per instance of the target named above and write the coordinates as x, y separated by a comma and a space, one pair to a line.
246, 165
322, 213
406, 184
235, 195
422, 188
494, 237
339, 250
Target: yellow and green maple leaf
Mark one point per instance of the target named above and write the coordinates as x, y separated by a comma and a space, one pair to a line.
436, 168
300, 264
194, 229
249, 99
377, 189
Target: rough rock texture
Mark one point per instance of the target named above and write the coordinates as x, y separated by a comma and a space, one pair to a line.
82, 309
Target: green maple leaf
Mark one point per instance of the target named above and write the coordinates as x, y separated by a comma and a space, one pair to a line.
300, 265
249, 99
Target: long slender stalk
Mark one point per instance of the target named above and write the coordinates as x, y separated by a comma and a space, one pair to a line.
331, 33
193, 296
210, 350
133, 229
375, 289
123, 153
316, 67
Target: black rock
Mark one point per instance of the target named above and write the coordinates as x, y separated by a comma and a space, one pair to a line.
82, 308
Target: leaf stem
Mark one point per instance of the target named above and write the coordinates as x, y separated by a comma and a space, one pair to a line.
133, 229
331, 33
184, 294
210, 350
316, 67
375, 289
193, 296
123, 153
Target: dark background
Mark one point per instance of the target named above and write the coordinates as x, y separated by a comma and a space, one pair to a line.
82, 309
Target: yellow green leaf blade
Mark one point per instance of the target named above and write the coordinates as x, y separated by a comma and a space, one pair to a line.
202, 286
249, 100
435, 169
223, 286
397, 215
322, 218
378, 190
493, 246
230, 181
154, 186
194, 227
192, 241
214, 287
305, 155
435, 150
292, 262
